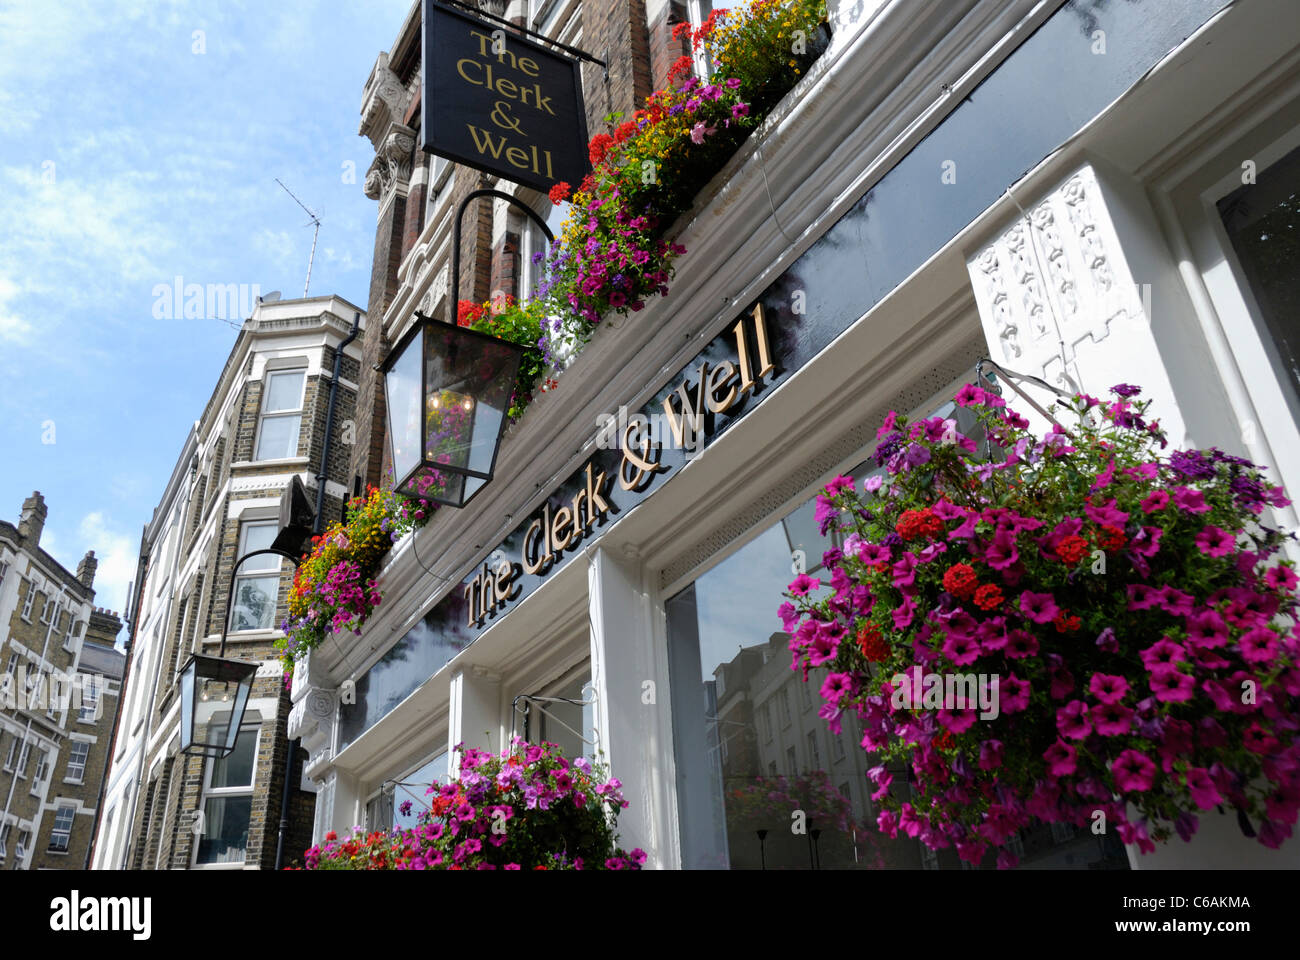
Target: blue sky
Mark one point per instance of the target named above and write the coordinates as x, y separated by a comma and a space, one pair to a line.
134, 150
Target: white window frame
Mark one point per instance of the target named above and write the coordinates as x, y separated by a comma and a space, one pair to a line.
24, 757
91, 693
216, 793
439, 187
43, 766
698, 11
4, 840
75, 632
1190, 205
249, 570
80, 768
29, 601
24, 841
4, 570
52, 603
263, 414
56, 831
10, 755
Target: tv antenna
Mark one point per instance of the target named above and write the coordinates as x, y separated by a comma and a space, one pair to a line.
316, 233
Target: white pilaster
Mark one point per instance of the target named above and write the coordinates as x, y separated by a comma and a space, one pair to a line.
474, 717
1081, 290
630, 713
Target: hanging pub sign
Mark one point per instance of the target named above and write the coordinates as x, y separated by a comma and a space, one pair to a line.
500, 103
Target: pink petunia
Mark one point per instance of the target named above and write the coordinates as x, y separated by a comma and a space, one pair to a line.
1013, 694
1190, 500
1112, 719
1163, 653
1171, 685
1072, 720
1281, 578
1204, 793
1133, 772
1108, 688
1038, 607
1061, 759
1156, 500
1215, 541
1258, 645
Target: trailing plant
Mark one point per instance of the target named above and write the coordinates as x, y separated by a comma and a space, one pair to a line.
1133, 610
527, 809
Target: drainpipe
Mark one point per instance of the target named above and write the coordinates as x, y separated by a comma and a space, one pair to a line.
317, 522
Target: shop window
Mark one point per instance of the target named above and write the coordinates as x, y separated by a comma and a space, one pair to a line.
413, 789
1262, 221
277, 433
562, 714
228, 803
77, 754
379, 812
722, 809
258, 579
61, 833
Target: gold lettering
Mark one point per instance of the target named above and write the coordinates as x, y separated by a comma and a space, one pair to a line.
560, 537
528, 66
460, 68
470, 605
505, 572
487, 135
507, 89
594, 500
719, 377
692, 415
742, 355
765, 363
522, 162
534, 560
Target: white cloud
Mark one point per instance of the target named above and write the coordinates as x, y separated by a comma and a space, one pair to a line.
117, 554
12, 327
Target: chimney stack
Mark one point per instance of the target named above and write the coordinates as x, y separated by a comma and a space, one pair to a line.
86, 569
32, 519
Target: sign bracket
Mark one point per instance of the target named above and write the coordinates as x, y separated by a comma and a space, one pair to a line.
572, 51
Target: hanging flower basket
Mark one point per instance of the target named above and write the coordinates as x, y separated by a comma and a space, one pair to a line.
527, 809
1072, 628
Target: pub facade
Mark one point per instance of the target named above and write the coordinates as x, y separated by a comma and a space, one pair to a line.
1069, 189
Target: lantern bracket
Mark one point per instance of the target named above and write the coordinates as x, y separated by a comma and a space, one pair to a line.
455, 238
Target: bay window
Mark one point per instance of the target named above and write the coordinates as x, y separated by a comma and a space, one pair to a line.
282, 396
228, 802
257, 583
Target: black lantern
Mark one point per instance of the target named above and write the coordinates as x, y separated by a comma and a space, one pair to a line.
214, 693
448, 389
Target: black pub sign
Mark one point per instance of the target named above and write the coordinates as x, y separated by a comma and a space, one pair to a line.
500, 103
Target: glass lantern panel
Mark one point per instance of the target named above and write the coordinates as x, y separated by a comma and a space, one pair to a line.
469, 380
402, 391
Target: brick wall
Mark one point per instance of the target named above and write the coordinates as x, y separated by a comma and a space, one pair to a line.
663, 48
